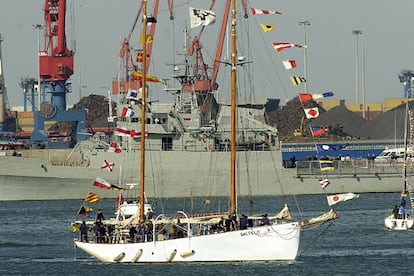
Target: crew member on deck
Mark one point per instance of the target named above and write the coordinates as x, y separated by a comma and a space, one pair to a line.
99, 216
84, 232
265, 220
243, 222
395, 211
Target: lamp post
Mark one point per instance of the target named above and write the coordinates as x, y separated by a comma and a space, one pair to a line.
38, 27
363, 74
305, 58
356, 33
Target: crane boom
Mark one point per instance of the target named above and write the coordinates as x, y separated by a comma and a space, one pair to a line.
125, 82
56, 60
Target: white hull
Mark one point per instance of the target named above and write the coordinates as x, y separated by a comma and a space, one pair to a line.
279, 242
399, 224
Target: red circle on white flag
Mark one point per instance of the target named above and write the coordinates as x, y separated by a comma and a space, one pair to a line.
312, 112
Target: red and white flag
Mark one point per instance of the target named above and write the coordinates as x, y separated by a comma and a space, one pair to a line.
289, 64
113, 147
280, 46
333, 199
311, 112
107, 165
304, 97
121, 131
103, 184
259, 11
133, 133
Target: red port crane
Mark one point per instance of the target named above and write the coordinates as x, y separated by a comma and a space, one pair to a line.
55, 68
56, 60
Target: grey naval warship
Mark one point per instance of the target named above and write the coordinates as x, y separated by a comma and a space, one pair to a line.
187, 142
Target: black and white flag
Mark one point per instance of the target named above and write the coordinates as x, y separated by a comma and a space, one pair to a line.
200, 17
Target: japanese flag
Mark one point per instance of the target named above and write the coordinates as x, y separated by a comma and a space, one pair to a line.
333, 199
311, 112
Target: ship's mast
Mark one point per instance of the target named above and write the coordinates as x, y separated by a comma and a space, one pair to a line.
2, 90
143, 110
233, 109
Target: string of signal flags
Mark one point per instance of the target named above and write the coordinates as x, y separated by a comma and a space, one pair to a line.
280, 46
312, 112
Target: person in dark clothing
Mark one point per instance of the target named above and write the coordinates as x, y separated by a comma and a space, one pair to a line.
148, 232
96, 232
243, 222
179, 231
293, 162
233, 218
227, 223
102, 234
99, 216
132, 232
403, 201
265, 220
395, 211
140, 233
84, 232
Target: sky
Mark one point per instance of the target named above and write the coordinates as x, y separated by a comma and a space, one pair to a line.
99, 25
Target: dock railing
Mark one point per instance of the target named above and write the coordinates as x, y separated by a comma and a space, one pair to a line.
350, 168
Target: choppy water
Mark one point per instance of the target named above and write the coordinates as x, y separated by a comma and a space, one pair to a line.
35, 239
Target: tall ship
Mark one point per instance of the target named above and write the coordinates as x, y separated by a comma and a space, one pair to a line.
187, 136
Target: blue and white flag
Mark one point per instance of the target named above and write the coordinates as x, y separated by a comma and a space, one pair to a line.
330, 147
324, 182
132, 95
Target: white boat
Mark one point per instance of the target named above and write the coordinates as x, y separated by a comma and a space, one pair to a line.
400, 219
269, 241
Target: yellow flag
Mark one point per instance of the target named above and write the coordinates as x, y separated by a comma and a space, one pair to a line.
296, 80
92, 197
149, 38
267, 27
75, 227
150, 78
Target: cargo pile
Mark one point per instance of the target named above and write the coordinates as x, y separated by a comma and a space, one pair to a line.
340, 122
96, 115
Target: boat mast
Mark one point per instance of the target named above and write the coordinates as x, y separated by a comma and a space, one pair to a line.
143, 110
233, 109
405, 146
